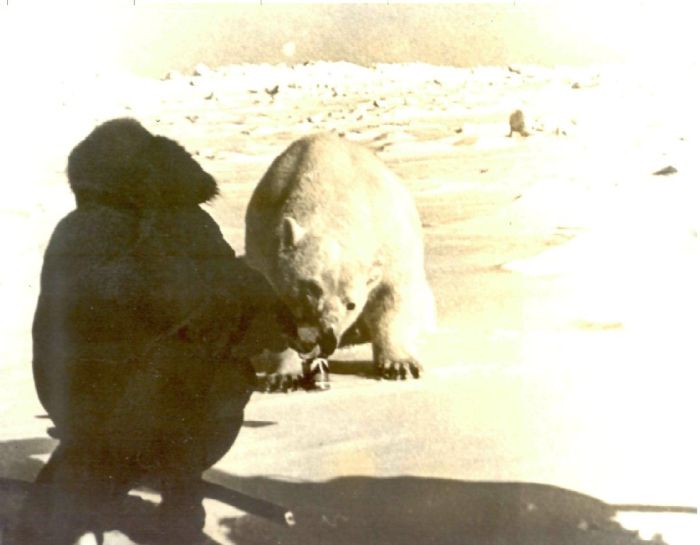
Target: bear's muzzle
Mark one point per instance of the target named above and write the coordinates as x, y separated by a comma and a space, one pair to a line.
309, 337
328, 342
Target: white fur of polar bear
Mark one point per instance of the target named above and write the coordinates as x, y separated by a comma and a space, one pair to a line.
338, 237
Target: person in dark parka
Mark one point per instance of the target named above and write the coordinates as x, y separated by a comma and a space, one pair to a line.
142, 336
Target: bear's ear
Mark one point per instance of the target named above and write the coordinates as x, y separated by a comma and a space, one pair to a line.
292, 232
375, 274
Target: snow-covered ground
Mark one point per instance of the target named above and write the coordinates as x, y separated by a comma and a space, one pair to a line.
566, 276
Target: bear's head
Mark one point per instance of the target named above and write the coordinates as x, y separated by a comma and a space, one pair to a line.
324, 286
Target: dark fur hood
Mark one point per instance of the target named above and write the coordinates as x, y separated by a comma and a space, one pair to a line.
120, 163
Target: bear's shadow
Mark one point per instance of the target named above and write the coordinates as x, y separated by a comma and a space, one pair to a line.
358, 510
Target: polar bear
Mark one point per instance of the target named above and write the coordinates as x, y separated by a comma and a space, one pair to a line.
338, 237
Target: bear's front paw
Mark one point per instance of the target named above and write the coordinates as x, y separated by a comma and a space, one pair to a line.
280, 382
313, 377
399, 369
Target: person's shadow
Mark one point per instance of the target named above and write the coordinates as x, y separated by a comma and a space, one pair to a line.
21, 461
366, 510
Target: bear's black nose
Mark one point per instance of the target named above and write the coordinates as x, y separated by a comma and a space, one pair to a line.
328, 342
306, 349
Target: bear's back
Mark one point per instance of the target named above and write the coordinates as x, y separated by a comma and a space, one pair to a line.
332, 185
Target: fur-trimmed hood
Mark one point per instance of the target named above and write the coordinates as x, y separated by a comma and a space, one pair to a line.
120, 163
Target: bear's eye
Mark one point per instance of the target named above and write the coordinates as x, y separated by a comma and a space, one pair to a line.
350, 306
